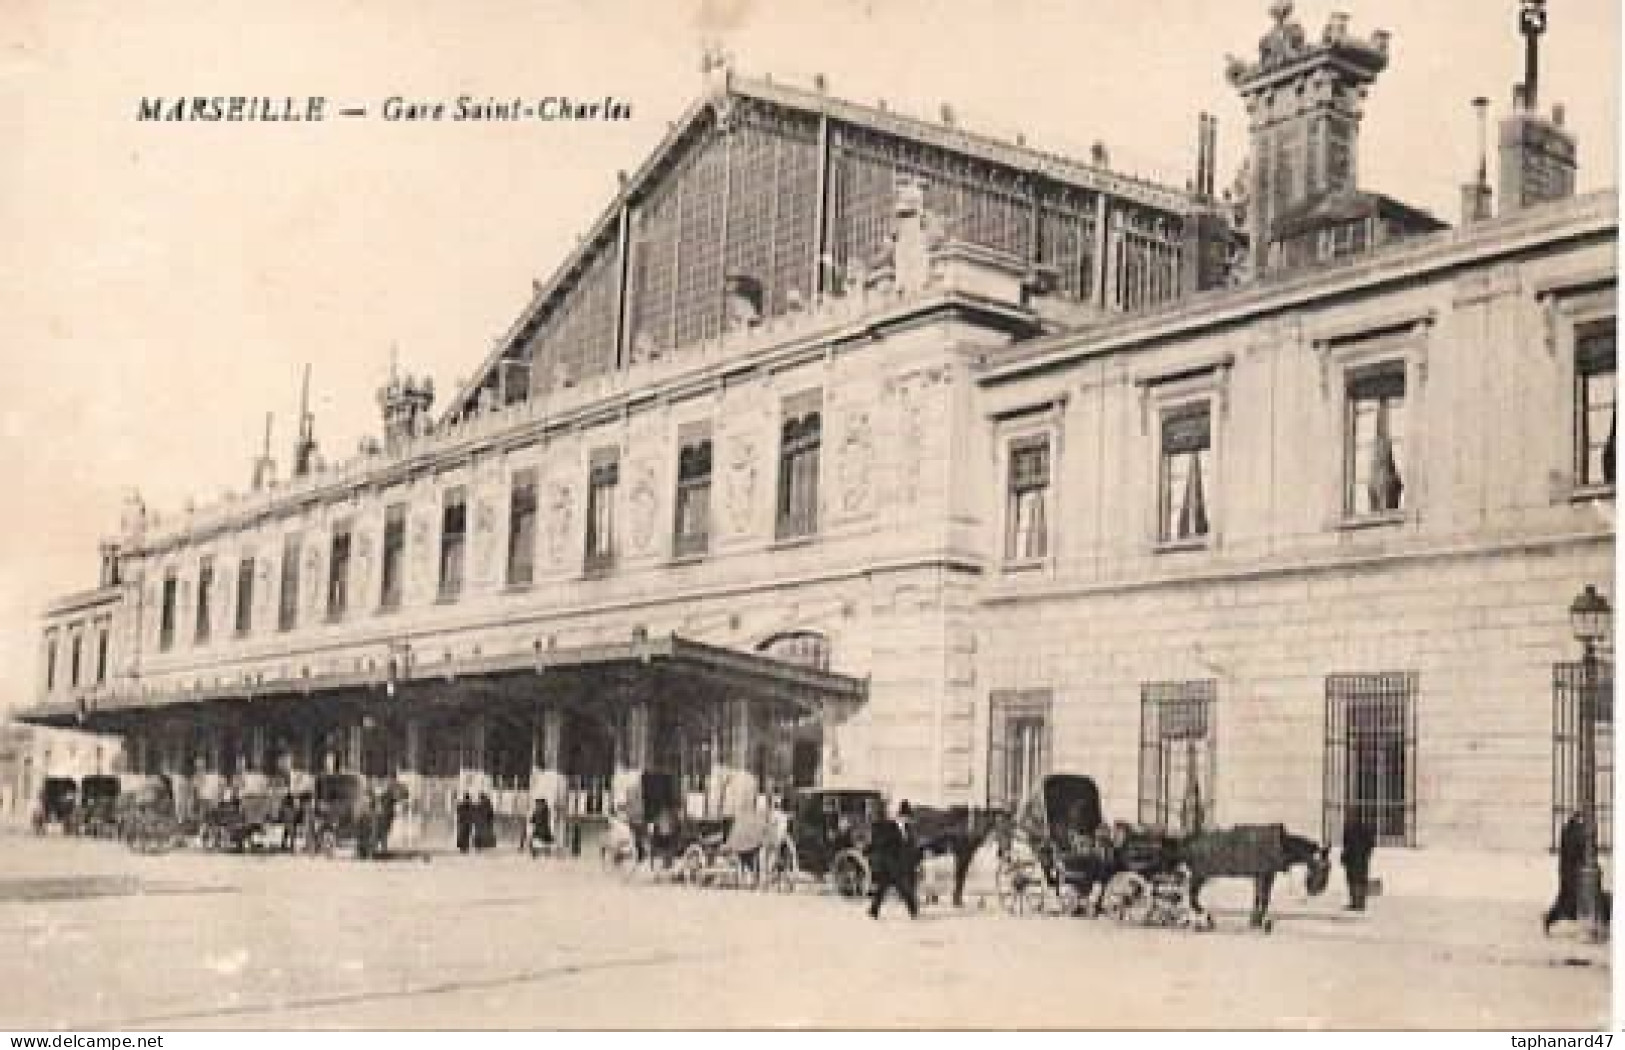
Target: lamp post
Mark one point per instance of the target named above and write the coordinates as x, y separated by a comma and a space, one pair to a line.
1590, 615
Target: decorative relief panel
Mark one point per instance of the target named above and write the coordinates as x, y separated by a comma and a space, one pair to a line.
741, 465
855, 462
560, 523
908, 395
643, 508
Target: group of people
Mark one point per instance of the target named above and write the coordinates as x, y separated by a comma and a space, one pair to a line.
476, 823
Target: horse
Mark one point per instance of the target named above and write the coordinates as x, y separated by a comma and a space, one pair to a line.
1258, 852
957, 830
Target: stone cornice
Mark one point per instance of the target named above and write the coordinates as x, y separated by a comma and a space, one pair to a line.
1593, 215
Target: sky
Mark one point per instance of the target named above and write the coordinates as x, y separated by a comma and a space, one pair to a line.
163, 284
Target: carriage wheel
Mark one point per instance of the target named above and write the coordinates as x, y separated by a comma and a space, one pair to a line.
327, 843
1071, 900
851, 872
691, 868
784, 868
1128, 897
1014, 879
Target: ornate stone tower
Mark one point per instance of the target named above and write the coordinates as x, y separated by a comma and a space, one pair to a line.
1303, 103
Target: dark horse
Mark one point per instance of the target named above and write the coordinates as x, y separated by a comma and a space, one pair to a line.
1252, 851
956, 830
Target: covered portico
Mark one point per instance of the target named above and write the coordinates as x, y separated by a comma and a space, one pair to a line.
574, 725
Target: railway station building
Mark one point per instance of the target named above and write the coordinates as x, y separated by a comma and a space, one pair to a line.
856, 449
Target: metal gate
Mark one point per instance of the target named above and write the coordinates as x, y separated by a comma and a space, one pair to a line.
1177, 754
1573, 698
1370, 766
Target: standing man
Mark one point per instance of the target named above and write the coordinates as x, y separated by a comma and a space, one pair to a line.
895, 858
1571, 851
1358, 844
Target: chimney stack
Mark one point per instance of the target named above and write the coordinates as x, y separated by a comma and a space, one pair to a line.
1475, 195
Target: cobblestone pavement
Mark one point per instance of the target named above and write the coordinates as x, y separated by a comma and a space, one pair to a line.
92, 936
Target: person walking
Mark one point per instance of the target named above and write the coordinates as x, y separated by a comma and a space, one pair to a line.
895, 860
485, 823
540, 835
1571, 851
465, 823
1358, 844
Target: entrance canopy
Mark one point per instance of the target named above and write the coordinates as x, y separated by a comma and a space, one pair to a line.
670, 667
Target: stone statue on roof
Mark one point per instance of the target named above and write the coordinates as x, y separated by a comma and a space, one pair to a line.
1283, 43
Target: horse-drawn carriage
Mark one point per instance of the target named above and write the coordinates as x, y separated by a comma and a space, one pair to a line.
829, 837
145, 814
57, 803
241, 821
655, 833
1061, 858
346, 812
98, 805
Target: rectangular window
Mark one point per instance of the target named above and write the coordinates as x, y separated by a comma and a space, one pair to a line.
800, 439
604, 476
338, 572
1374, 442
1187, 466
1177, 754
394, 550
287, 616
166, 614
1595, 396
75, 653
205, 596
1370, 765
1018, 746
693, 528
522, 528
50, 661
1583, 693
453, 540
245, 595
101, 656
1026, 535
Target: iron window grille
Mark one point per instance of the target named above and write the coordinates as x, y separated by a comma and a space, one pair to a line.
453, 540
1178, 753
693, 498
800, 441
338, 573
288, 608
1027, 515
50, 664
1575, 698
1374, 442
1019, 745
602, 481
392, 556
1370, 761
1596, 395
205, 595
166, 614
245, 595
522, 529
1187, 466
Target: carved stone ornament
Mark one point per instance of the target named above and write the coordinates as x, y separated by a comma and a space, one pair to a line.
856, 462
739, 492
643, 507
561, 507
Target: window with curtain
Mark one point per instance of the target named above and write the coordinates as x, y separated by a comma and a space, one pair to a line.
693, 493
288, 610
801, 439
453, 541
1375, 442
1027, 514
602, 479
338, 572
205, 595
166, 614
245, 594
392, 555
1595, 398
1187, 465
522, 528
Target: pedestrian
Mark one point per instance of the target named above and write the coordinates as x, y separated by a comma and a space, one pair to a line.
288, 817
540, 837
1571, 851
485, 823
1358, 845
465, 823
895, 860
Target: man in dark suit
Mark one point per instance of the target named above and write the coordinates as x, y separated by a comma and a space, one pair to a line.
894, 856
1358, 844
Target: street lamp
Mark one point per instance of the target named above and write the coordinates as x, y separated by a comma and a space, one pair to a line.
1590, 615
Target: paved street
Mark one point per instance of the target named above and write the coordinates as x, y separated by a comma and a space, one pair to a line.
92, 936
